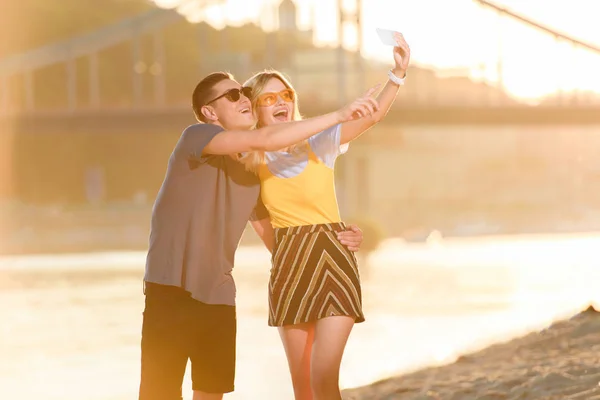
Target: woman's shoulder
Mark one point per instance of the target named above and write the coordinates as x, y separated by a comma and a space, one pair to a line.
297, 153
284, 164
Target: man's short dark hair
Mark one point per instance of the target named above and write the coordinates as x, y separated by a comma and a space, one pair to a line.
203, 92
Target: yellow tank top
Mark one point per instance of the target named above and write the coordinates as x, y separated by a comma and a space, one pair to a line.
299, 189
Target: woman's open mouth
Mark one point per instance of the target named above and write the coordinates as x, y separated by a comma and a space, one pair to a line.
281, 114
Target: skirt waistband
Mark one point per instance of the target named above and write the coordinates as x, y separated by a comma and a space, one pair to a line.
305, 229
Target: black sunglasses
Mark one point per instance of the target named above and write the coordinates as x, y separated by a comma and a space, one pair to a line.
233, 95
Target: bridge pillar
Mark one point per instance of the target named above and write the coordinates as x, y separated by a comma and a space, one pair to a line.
158, 68
137, 70
349, 14
500, 60
341, 73
559, 87
71, 85
94, 81
360, 62
271, 54
576, 93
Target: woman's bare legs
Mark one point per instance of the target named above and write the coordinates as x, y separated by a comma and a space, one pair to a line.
330, 338
297, 342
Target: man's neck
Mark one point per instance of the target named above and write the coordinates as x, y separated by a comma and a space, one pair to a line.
217, 123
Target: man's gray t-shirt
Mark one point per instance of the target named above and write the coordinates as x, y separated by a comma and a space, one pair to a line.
199, 217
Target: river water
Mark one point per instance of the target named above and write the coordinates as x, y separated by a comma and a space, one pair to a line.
70, 324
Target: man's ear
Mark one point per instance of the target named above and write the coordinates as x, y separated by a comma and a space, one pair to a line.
209, 113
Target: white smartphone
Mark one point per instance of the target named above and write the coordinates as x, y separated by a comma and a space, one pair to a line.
386, 36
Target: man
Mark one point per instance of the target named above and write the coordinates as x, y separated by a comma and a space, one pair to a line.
200, 213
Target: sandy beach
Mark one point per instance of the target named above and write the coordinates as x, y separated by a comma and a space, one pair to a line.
558, 363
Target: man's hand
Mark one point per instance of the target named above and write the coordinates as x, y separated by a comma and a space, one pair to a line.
352, 237
401, 55
265, 232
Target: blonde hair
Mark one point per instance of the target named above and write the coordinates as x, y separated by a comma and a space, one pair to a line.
257, 83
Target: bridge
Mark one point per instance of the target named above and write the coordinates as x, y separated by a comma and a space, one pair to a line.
155, 99
92, 120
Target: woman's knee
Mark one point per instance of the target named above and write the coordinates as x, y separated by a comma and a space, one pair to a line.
324, 381
301, 382
303, 391
325, 389
297, 341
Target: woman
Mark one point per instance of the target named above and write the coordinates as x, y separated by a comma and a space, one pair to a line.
314, 289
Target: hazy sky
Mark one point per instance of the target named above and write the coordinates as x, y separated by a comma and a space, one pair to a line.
453, 34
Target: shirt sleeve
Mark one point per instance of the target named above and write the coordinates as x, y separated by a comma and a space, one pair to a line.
326, 145
195, 138
260, 211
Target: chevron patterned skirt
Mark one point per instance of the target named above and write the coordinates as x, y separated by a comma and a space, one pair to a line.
313, 276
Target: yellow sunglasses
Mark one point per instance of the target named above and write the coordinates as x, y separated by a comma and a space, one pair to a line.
270, 98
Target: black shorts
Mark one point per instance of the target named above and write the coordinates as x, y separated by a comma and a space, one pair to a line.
177, 328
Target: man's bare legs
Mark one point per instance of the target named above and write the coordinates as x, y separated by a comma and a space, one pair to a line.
198, 395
